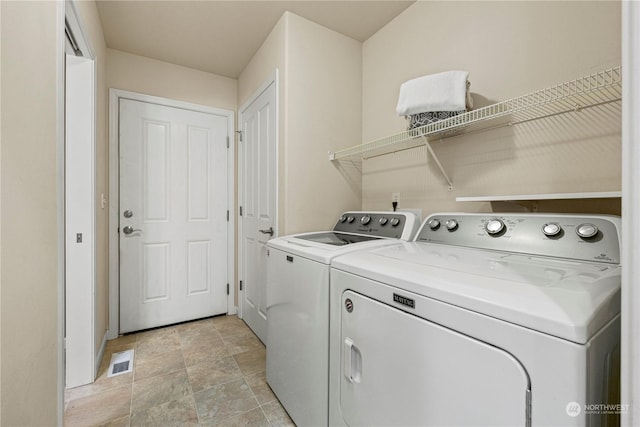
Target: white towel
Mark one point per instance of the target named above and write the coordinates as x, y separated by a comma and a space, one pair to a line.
436, 92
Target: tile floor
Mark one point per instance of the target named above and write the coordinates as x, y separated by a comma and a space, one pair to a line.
204, 373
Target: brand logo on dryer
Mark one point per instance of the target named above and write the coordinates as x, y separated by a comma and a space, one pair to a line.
404, 301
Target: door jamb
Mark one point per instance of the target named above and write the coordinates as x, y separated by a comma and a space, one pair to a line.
114, 207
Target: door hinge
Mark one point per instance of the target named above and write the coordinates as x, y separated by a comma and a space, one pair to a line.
239, 132
227, 289
240, 284
227, 215
240, 210
227, 142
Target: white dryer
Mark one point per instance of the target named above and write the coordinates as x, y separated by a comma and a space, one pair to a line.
298, 305
485, 319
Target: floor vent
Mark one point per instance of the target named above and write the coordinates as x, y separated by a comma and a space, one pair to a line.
121, 363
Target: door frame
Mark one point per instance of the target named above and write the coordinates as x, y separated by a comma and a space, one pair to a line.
79, 340
114, 184
272, 79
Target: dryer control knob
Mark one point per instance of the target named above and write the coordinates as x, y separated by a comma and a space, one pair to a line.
586, 230
343, 218
494, 226
350, 219
451, 224
383, 221
394, 222
434, 224
365, 220
551, 229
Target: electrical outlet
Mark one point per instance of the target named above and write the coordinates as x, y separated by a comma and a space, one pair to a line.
395, 197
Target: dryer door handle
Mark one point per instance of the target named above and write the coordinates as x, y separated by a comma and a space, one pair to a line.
352, 363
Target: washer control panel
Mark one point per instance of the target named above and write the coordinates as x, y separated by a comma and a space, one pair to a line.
397, 225
581, 237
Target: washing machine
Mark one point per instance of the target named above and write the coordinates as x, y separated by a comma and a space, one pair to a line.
482, 320
298, 305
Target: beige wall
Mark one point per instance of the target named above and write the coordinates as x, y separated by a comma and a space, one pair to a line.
29, 217
319, 111
93, 28
510, 49
144, 75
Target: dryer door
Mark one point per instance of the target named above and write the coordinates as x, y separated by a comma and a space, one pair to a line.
399, 369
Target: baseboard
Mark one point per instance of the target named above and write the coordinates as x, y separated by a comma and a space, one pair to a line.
100, 355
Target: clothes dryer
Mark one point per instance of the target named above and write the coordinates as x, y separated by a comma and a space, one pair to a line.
298, 305
484, 319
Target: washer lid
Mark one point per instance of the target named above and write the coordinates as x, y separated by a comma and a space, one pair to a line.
323, 247
563, 298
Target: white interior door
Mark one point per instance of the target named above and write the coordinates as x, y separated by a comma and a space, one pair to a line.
79, 222
258, 190
173, 215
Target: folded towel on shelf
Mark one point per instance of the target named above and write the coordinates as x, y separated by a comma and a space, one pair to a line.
447, 91
423, 119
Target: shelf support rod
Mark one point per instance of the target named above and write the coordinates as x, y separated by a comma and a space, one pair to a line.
435, 158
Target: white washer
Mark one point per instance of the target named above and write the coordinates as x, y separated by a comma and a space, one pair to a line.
485, 319
298, 305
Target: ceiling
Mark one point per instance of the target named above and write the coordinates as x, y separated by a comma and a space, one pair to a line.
221, 37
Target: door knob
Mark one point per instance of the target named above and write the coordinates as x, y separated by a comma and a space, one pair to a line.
268, 231
129, 229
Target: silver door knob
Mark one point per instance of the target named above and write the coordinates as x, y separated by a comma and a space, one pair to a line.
129, 229
269, 231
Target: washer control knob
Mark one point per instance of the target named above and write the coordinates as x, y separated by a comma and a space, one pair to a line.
494, 226
551, 229
343, 218
434, 224
365, 220
586, 230
394, 222
451, 224
383, 221
350, 219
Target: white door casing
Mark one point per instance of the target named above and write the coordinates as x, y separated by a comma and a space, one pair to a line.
174, 196
258, 200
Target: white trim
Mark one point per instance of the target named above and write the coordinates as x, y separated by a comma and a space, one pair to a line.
549, 196
272, 79
74, 20
114, 266
630, 295
60, 95
100, 354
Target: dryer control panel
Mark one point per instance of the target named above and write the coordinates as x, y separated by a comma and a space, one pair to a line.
580, 237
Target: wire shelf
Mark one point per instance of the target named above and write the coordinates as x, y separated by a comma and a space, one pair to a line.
595, 89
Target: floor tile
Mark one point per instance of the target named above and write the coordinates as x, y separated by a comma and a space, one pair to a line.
99, 408
260, 388
253, 418
206, 372
120, 422
241, 342
203, 351
157, 344
160, 389
162, 364
211, 373
276, 414
179, 413
251, 362
224, 401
